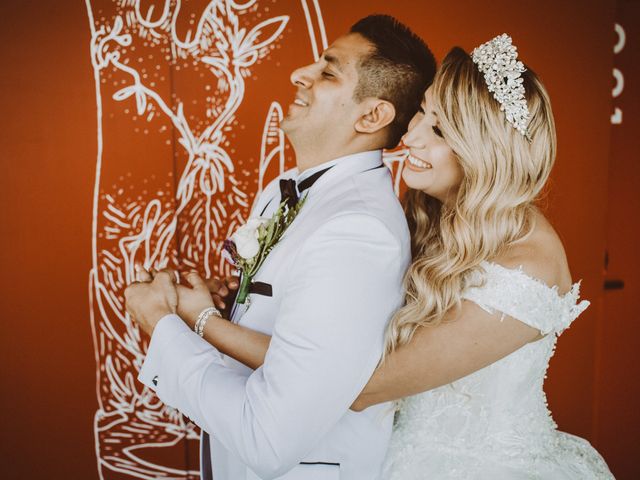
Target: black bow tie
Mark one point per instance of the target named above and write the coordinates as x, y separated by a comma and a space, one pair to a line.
289, 188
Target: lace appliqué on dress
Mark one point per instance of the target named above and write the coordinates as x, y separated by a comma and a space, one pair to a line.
494, 423
514, 293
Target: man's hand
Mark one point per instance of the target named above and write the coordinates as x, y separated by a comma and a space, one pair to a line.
150, 300
192, 301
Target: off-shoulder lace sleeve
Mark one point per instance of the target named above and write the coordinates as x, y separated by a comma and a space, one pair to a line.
514, 293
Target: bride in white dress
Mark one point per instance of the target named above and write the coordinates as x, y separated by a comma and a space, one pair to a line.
489, 290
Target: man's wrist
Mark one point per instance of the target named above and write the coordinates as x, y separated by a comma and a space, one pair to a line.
157, 316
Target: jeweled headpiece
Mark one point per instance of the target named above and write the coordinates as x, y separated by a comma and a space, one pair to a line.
498, 61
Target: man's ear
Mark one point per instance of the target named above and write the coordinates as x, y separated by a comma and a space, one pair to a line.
378, 114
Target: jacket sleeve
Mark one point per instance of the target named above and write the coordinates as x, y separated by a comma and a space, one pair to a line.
327, 341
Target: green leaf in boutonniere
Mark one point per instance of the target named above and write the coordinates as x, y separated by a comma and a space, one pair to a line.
249, 246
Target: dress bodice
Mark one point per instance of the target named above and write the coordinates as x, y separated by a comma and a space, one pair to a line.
497, 415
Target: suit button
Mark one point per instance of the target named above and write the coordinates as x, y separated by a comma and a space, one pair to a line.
155, 380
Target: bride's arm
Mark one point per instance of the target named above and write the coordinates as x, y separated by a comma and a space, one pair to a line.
243, 344
435, 356
467, 340
463, 343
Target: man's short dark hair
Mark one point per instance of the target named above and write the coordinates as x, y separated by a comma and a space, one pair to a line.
398, 70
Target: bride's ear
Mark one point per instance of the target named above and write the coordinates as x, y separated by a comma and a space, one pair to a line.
377, 115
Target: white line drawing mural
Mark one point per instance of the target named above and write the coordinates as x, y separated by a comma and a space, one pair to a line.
189, 223
164, 218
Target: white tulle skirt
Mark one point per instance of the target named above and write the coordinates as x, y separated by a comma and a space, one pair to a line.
574, 459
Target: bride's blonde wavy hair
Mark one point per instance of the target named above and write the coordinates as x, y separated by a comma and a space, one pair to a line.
503, 173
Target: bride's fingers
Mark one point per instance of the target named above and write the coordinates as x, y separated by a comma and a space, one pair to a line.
212, 283
223, 291
216, 285
232, 282
217, 301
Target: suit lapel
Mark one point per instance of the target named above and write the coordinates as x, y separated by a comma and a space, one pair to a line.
345, 168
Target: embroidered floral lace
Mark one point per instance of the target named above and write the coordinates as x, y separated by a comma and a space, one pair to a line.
494, 423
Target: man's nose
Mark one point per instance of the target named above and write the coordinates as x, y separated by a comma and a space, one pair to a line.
301, 77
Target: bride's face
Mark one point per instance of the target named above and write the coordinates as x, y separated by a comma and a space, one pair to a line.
431, 165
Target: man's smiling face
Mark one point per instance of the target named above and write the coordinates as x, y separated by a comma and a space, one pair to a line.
324, 108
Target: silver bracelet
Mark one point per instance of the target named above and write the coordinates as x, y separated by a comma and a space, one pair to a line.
202, 319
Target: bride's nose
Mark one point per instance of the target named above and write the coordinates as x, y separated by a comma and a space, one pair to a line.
410, 139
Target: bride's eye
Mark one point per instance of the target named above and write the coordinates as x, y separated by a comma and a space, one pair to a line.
421, 109
437, 131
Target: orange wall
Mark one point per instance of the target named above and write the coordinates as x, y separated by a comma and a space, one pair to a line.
50, 150
618, 391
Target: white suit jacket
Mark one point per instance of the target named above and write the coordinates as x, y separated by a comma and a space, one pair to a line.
336, 277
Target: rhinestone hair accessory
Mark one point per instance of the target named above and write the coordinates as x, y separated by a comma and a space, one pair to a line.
498, 61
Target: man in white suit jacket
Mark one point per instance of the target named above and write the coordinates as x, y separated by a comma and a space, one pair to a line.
335, 281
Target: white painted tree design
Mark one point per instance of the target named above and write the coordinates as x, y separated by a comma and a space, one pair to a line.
208, 203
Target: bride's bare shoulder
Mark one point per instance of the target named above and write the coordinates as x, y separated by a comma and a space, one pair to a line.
540, 255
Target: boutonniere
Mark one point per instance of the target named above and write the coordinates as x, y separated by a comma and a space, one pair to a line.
249, 246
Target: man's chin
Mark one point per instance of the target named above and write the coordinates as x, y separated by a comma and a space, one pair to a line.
297, 130
287, 125
288, 119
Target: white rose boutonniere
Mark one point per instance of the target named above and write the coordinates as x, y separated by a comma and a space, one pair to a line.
247, 236
249, 246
